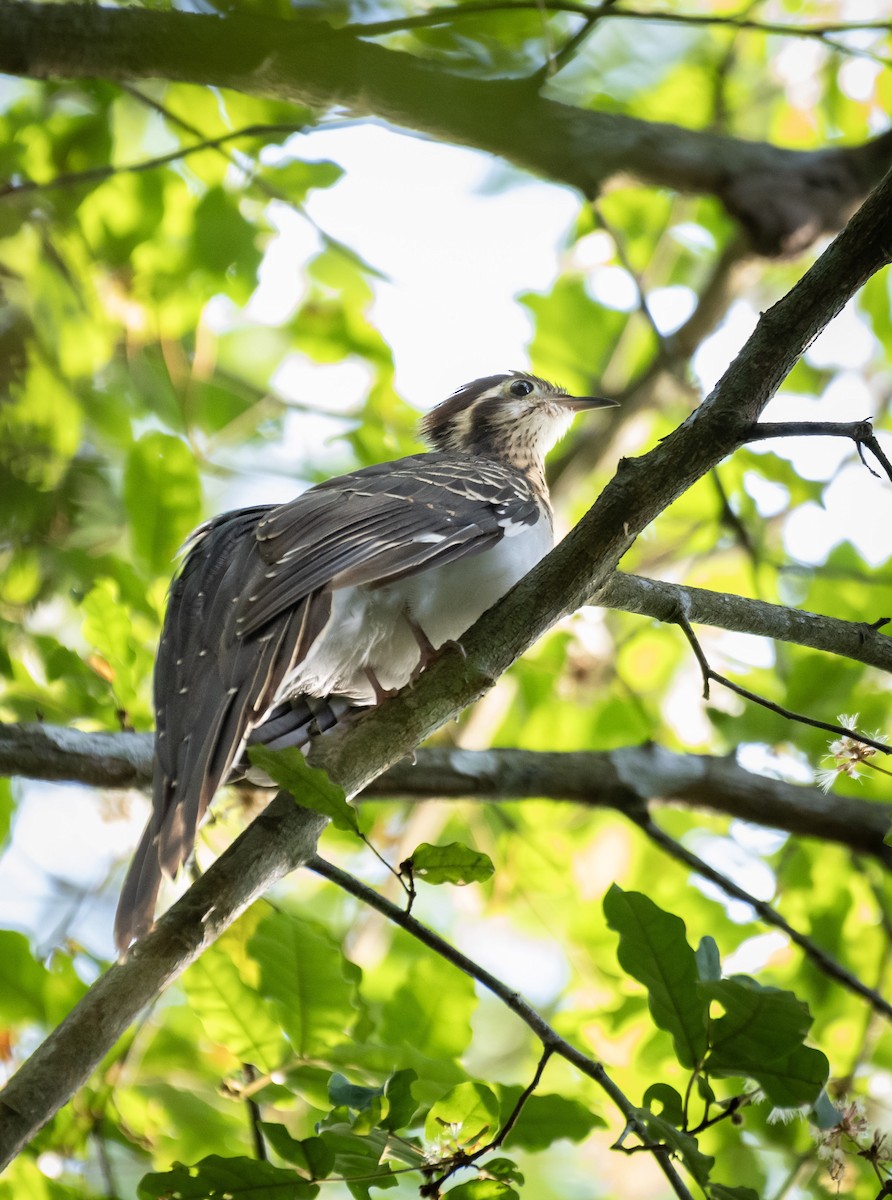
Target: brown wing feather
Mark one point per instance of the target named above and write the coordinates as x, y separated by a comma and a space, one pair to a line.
254, 594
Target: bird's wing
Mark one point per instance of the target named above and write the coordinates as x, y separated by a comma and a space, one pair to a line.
253, 595
379, 525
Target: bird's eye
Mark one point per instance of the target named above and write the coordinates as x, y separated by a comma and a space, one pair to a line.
520, 387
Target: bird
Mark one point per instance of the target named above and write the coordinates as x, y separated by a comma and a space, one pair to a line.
284, 618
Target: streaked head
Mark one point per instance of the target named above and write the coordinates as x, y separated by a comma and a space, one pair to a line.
516, 416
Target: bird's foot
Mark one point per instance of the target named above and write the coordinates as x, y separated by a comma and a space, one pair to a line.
381, 693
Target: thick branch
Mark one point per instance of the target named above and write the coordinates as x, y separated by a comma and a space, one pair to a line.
784, 198
283, 836
858, 640
628, 780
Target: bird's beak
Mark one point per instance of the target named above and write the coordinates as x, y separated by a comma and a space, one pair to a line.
586, 403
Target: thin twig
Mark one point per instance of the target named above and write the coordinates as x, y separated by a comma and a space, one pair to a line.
462, 1159
712, 676
548, 1036
97, 174
446, 15
822, 960
860, 432
255, 1117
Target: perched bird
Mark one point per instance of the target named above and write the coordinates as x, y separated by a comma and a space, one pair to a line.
284, 616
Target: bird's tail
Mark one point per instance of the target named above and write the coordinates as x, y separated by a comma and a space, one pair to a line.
139, 895
292, 723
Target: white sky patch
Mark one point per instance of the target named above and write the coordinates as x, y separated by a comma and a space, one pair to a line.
455, 258
809, 534
715, 353
769, 497
764, 760
595, 249
857, 78
613, 287
859, 508
742, 867
846, 342
746, 649
55, 885
670, 307
753, 955
534, 966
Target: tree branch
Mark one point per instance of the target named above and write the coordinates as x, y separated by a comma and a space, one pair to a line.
784, 198
824, 961
628, 780
284, 835
549, 1037
857, 640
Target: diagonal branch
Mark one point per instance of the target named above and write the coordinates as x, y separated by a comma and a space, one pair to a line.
549, 1037
824, 961
284, 835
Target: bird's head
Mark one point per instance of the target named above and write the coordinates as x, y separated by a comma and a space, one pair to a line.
515, 417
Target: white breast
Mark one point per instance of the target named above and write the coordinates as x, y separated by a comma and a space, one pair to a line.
368, 628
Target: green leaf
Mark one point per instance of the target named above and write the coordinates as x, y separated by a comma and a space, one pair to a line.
435, 1002
760, 1037
720, 1191
221, 987
670, 1101
223, 241
466, 1115
297, 178
660, 1130
29, 991
310, 786
303, 973
545, 1119
162, 492
454, 863
310, 1155
709, 962
504, 1168
351, 1095
7, 808
401, 1104
217, 1178
359, 1158
483, 1189
654, 950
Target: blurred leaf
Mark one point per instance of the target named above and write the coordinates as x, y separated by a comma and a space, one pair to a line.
162, 492
222, 990
311, 1156
216, 1178
545, 1119
310, 786
465, 1116
351, 1095
297, 178
308, 982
